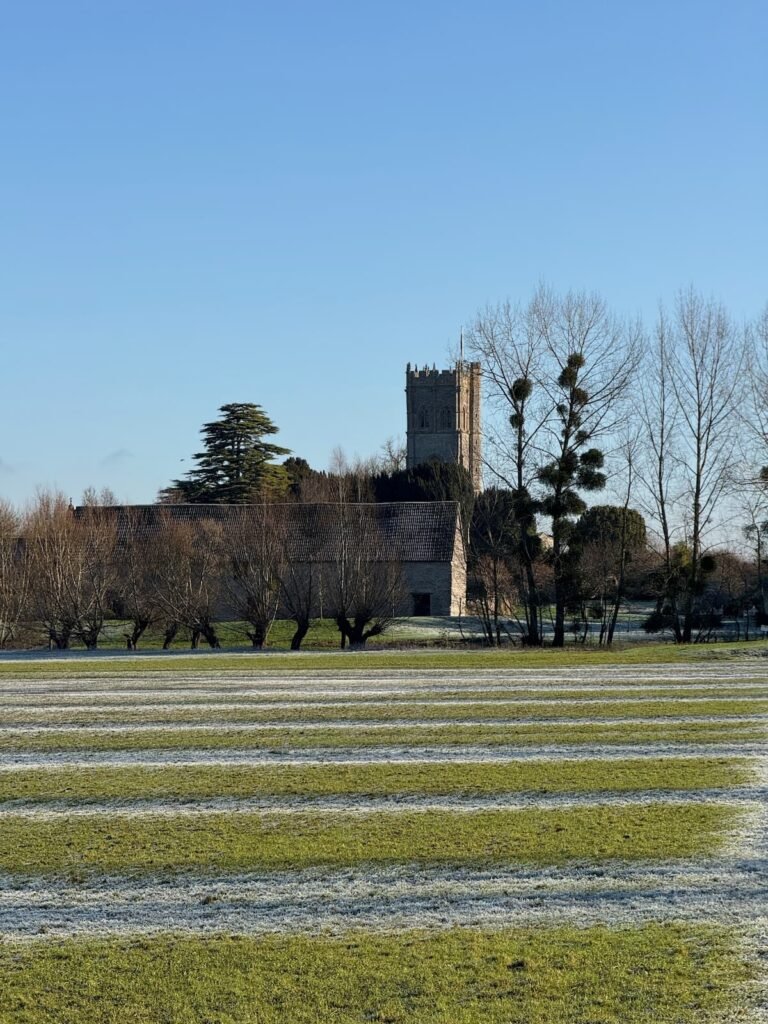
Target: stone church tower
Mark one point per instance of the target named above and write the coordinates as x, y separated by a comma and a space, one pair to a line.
444, 417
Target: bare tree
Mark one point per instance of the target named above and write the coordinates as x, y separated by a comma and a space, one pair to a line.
71, 559
510, 345
594, 359
300, 587
755, 418
94, 498
139, 556
364, 583
49, 530
756, 535
659, 415
705, 374
188, 583
494, 583
557, 370
14, 573
254, 547
393, 455
93, 574
690, 425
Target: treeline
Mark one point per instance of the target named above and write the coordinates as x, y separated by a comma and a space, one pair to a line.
671, 421
64, 573
664, 429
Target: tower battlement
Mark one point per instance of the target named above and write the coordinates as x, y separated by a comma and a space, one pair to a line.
444, 416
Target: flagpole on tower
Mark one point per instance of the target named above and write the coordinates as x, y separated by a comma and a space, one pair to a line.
461, 347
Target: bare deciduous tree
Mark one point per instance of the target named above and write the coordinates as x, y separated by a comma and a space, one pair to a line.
14, 573
510, 345
71, 562
300, 587
188, 582
254, 550
594, 358
558, 370
364, 584
93, 574
694, 378
49, 530
139, 555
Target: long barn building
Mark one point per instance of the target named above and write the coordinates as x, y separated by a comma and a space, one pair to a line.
424, 538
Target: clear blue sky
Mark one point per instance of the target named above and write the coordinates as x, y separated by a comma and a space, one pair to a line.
285, 202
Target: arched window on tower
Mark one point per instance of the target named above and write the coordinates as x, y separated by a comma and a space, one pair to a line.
445, 418
423, 418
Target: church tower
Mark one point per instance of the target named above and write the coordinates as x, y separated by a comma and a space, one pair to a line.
444, 417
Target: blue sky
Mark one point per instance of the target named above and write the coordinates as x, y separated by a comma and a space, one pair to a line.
284, 203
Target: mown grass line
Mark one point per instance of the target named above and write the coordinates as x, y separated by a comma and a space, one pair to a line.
657, 974
209, 781
371, 661
402, 692
251, 841
414, 736
385, 711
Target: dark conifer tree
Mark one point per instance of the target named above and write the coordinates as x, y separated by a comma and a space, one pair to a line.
235, 466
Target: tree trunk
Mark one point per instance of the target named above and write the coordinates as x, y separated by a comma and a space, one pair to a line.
132, 638
170, 634
302, 628
208, 633
258, 634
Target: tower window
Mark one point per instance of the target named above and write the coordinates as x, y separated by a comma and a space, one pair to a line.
445, 418
424, 419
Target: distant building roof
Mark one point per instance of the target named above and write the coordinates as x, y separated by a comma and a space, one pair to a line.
395, 531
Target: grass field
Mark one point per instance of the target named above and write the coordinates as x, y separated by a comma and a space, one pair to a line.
546, 976
647, 654
507, 837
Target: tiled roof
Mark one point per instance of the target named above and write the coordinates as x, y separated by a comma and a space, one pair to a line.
397, 531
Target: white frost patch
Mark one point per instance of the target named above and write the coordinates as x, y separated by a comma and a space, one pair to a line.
10, 762
728, 892
747, 797
370, 701
327, 724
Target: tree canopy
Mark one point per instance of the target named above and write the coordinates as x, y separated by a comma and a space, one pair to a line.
235, 466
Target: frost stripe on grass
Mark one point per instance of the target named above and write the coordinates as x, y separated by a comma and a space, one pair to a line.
386, 755
363, 701
362, 723
749, 797
216, 695
388, 899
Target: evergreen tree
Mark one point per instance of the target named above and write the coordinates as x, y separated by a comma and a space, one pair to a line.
433, 480
236, 465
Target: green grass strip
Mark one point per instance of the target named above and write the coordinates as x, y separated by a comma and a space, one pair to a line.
247, 841
208, 781
657, 974
386, 712
443, 735
547, 658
